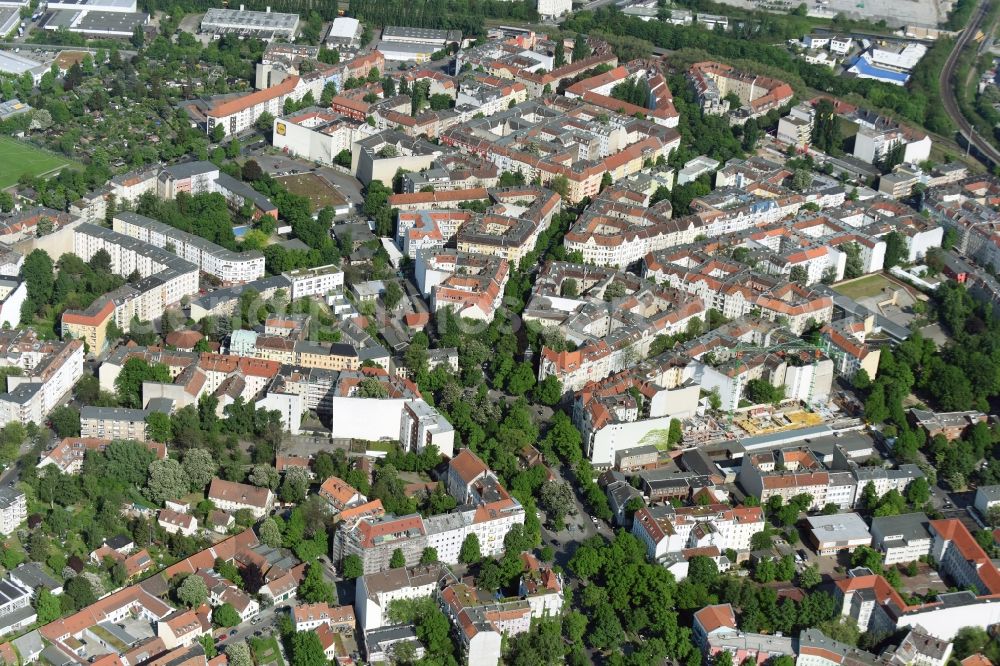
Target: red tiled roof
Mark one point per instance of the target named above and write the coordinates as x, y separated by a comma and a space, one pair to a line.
714, 617
246, 101
953, 530
468, 465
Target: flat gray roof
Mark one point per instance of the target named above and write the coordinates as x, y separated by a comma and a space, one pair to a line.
904, 527
840, 527
991, 493
403, 32
15, 63
122, 23
405, 47
234, 18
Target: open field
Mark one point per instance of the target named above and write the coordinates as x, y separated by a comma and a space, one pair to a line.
18, 158
266, 650
866, 287
319, 192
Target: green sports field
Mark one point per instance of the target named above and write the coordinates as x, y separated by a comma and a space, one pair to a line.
18, 158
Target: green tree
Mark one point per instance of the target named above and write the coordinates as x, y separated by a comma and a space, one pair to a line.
314, 588
133, 374
167, 480
238, 654
826, 134
192, 592
218, 133
352, 567
522, 379
675, 434
397, 560
895, 249
39, 282
225, 616
265, 123
270, 533
47, 606
470, 552
918, 492
159, 428
393, 295
126, 463
429, 556
81, 592
548, 391
810, 577
307, 650
65, 421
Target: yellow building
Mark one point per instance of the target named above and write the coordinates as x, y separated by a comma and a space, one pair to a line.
90, 325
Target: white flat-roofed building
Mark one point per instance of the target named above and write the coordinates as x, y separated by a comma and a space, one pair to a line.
987, 497
265, 25
213, 259
318, 134
96, 22
13, 509
418, 52
842, 531
120, 6
428, 36
317, 281
9, 19
16, 64
421, 426
344, 32
903, 538
554, 8
376, 591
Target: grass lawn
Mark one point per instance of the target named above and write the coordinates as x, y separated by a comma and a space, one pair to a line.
865, 287
319, 192
19, 157
266, 651
658, 438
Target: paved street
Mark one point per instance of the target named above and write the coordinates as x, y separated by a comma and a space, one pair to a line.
578, 529
267, 624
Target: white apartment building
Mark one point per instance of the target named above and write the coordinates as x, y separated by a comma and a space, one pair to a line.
173, 522
874, 143
13, 294
490, 522
987, 497
665, 529
375, 592
903, 538
318, 281
167, 278
318, 135
213, 259
237, 115
22, 405
13, 510
45, 382
313, 616
884, 480
113, 423
421, 425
